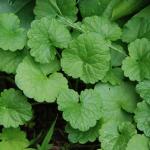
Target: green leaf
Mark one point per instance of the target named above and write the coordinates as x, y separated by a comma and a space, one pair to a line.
136, 28
22, 8
45, 36
126, 7
91, 8
13, 139
117, 101
82, 111
31, 78
107, 29
10, 60
12, 36
48, 137
66, 7
136, 65
138, 141
14, 108
86, 58
114, 76
117, 56
142, 117
75, 135
115, 136
143, 88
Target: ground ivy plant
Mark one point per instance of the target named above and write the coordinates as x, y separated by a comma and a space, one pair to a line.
85, 63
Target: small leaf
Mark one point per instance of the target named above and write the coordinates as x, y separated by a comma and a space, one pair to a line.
75, 135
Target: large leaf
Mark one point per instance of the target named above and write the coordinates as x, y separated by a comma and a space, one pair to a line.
52, 8
38, 83
136, 65
107, 29
12, 36
45, 36
117, 101
14, 108
86, 58
9, 61
13, 139
115, 136
82, 111
138, 141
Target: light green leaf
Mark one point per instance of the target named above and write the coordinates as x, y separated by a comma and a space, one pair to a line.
136, 65
66, 7
142, 117
12, 36
136, 28
75, 135
138, 142
13, 139
117, 101
143, 88
86, 58
45, 36
9, 61
94, 7
107, 29
114, 76
115, 136
82, 111
14, 108
31, 78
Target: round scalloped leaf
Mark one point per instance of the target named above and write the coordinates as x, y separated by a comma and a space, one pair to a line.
136, 65
45, 36
12, 36
138, 142
94, 7
75, 135
66, 7
14, 108
33, 79
82, 111
114, 76
115, 136
13, 139
117, 101
136, 28
107, 29
87, 58
143, 88
142, 117
10, 60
